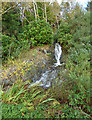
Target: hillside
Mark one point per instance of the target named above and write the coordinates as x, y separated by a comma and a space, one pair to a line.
45, 60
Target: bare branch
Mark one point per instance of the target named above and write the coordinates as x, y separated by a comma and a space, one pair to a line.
8, 9
27, 20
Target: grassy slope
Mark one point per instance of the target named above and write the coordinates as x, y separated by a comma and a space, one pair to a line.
20, 102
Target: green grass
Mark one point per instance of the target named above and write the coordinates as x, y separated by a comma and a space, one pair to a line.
37, 103
20, 102
42, 111
15, 111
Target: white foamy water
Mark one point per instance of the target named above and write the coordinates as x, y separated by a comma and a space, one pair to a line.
49, 75
58, 53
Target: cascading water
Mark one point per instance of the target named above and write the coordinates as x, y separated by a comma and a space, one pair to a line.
50, 75
58, 53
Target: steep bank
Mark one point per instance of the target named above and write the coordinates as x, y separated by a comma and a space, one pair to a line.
28, 61
30, 66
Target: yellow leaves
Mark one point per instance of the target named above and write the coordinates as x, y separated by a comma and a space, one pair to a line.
55, 103
28, 81
17, 70
6, 77
45, 18
71, 68
28, 69
31, 108
37, 15
17, 74
13, 62
42, 98
28, 105
47, 92
24, 62
11, 74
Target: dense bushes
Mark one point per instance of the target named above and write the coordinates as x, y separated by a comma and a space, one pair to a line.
63, 35
75, 38
38, 32
13, 47
78, 64
10, 20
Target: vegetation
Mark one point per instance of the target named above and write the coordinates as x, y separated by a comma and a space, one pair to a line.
12, 47
37, 33
36, 26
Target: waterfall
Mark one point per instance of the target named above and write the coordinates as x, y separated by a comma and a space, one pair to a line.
58, 53
50, 75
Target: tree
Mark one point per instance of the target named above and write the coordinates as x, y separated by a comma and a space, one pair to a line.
70, 10
10, 18
89, 4
53, 13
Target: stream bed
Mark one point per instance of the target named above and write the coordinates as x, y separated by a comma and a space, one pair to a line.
46, 69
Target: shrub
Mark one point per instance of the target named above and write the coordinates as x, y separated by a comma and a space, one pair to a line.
38, 32
63, 35
77, 78
13, 47
10, 20
78, 64
5, 46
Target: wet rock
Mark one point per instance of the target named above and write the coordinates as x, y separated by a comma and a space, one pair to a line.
48, 77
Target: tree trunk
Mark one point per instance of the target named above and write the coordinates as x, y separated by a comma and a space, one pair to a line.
57, 21
34, 9
45, 11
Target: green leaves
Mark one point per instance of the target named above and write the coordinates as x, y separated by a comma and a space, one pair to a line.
64, 36
10, 20
78, 66
35, 94
47, 100
13, 47
38, 32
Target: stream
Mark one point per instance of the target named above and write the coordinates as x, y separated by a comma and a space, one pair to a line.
49, 76
45, 72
